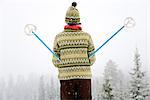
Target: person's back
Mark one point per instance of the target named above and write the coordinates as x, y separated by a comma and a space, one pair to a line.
73, 46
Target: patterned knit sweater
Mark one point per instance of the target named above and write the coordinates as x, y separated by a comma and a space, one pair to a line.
73, 48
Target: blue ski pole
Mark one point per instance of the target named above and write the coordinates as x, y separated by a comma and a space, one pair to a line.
46, 46
106, 42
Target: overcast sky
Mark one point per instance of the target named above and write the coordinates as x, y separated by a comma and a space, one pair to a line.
22, 54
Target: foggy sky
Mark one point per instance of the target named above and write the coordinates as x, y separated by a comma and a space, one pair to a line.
22, 54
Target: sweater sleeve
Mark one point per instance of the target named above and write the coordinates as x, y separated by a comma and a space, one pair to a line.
91, 48
56, 50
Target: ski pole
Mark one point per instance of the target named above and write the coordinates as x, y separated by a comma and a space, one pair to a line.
46, 46
128, 22
29, 30
106, 42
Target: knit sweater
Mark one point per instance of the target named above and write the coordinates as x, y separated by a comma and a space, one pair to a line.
73, 48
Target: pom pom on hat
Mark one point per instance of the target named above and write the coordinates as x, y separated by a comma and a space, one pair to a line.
74, 4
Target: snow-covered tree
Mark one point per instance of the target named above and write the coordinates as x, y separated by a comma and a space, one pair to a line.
19, 89
48, 91
50, 88
2, 88
9, 91
115, 77
107, 91
32, 90
139, 89
96, 87
41, 89
111, 73
121, 89
54, 88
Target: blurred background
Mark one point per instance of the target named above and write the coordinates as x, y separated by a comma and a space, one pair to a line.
24, 56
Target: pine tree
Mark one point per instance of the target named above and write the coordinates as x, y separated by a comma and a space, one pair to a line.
97, 88
2, 88
121, 87
107, 93
115, 77
9, 94
111, 72
139, 88
41, 89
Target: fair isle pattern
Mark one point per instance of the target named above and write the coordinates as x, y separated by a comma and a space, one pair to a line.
73, 48
79, 72
74, 39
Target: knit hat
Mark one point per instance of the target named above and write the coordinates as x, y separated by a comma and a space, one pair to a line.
72, 15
